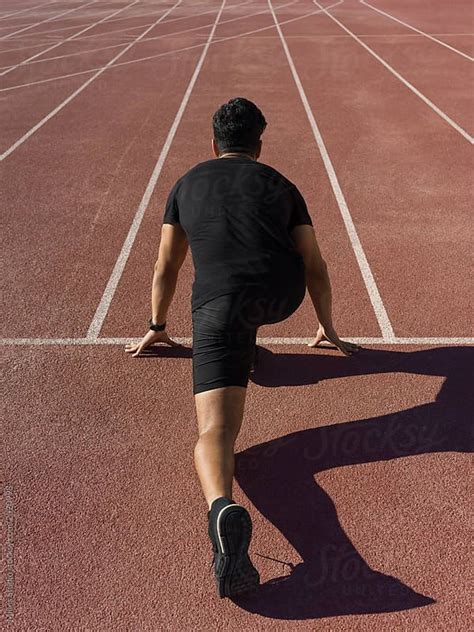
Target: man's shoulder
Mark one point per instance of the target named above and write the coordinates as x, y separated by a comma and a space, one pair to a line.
275, 174
198, 169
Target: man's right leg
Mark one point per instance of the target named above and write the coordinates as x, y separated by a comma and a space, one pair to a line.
219, 416
221, 362
220, 412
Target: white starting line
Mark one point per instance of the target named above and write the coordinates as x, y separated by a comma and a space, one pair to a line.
262, 341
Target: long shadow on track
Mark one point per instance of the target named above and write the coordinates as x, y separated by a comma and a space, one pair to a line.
278, 478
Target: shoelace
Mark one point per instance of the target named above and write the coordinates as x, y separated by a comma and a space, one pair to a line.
290, 564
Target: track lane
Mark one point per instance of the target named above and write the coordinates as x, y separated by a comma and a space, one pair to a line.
24, 10
416, 30
437, 73
408, 195
34, 76
51, 47
105, 37
55, 16
437, 17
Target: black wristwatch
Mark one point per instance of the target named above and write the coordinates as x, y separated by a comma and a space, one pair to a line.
154, 327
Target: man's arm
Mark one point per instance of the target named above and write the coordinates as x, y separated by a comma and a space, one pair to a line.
317, 277
319, 286
171, 255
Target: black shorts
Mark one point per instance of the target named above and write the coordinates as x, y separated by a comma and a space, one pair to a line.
225, 332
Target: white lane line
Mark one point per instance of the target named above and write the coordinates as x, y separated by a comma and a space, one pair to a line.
133, 28
147, 15
440, 340
271, 27
119, 267
164, 35
167, 53
122, 30
320, 36
455, 50
68, 39
9, 15
409, 85
5, 27
57, 109
388, 36
372, 289
146, 39
50, 19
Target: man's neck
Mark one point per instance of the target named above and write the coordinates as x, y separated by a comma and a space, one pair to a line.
230, 154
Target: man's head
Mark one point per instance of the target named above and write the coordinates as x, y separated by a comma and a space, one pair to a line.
238, 125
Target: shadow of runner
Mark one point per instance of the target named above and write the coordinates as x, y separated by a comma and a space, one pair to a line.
278, 478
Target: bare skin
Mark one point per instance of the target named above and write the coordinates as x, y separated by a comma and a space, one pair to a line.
220, 411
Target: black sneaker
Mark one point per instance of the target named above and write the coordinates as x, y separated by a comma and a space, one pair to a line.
230, 533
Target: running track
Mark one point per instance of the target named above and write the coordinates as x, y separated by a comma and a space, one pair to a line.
355, 470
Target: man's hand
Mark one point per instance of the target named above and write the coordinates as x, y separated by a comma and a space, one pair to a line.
347, 348
148, 339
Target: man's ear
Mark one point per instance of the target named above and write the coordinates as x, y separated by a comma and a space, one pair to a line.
215, 149
259, 150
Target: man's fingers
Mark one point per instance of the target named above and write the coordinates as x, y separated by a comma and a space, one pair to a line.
131, 348
344, 348
348, 348
136, 349
353, 346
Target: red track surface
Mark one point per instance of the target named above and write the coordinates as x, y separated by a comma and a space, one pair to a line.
355, 469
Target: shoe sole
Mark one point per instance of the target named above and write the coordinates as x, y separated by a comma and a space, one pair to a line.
234, 532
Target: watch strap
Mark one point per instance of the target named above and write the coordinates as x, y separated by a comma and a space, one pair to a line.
154, 327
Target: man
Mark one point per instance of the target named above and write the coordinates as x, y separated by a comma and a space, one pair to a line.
255, 253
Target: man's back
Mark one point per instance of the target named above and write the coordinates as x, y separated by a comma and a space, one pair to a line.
237, 214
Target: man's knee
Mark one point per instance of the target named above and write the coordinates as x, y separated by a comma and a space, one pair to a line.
217, 433
220, 410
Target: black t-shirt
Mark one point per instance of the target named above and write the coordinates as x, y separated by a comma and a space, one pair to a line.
237, 214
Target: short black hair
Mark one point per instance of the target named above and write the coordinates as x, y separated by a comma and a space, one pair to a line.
238, 125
